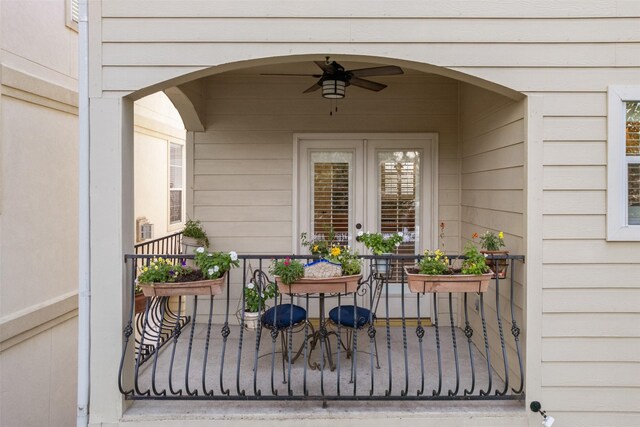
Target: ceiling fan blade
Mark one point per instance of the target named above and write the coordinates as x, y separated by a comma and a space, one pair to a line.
367, 84
313, 88
295, 75
387, 70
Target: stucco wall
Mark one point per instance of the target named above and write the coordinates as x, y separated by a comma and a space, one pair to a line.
38, 215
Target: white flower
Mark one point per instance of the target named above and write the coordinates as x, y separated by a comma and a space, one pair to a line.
250, 285
209, 254
262, 294
360, 233
234, 256
400, 234
397, 244
200, 250
210, 271
216, 268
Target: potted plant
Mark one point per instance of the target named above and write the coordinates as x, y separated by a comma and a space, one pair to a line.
163, 278
140, 300
381, 244
255, 300
434, 273
193, 236
491, 243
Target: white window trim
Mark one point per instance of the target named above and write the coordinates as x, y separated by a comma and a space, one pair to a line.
617, 180
172, 226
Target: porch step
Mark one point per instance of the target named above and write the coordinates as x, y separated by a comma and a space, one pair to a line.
311, 414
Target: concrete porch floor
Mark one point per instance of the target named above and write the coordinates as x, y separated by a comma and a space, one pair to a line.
493, 412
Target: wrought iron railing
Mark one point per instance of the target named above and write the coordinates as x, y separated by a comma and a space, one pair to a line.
458, 352
157, 334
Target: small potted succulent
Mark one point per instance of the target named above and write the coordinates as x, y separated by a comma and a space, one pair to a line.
434, 273
491, 244
381, 245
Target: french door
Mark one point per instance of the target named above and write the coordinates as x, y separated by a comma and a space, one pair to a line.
376, 182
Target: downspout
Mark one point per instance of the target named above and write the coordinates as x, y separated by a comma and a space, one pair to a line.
84, 238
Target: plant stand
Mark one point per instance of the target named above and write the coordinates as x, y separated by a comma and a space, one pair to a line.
420, 283
200, 287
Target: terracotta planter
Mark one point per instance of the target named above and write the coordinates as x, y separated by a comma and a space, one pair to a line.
419, 283
140, 303
201, 287
331, 285
499, 266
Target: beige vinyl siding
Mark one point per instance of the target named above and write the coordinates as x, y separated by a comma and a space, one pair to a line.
492, 175
591, 296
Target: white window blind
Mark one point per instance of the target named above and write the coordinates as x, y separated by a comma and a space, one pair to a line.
399, 182
75, 10
632, 151
331, 199
175, 183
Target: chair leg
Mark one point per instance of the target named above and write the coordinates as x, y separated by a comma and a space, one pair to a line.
375, 346
285, 355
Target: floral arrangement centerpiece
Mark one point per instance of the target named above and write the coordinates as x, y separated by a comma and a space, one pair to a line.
435, 273
492, 244
162, 277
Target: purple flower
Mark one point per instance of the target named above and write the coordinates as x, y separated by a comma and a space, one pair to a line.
184, 263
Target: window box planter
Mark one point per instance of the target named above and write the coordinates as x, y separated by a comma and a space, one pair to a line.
140, 302
200, 287
330, 285
419, 283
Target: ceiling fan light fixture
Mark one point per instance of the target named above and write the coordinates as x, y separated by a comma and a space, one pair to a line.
333, 88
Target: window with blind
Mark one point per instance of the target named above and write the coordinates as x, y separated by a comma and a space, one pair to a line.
623, 163
175, 183
399, 182
632, 157
331, 206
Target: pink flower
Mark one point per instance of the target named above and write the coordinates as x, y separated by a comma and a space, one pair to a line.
287, 261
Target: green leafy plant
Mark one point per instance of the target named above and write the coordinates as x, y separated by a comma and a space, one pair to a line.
434, 263
193, 229
381, 244
491, 241
161, 270
288, 269
350, 260
474, 262
255, 299
214, 264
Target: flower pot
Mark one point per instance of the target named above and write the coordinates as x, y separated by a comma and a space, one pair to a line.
251, 319
499, 266
383, 265
200, 287
331, 285
420, 283
140, 303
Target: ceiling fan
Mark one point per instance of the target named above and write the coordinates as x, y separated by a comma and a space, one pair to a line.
334, 78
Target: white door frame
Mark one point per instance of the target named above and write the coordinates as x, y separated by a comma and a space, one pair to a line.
430, 216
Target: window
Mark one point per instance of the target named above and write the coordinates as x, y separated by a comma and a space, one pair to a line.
623, 167
72, 13
175, 183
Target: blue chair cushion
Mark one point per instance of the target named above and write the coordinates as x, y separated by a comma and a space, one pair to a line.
346, 316
281, 315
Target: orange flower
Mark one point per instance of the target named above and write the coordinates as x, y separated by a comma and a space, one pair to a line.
475, 236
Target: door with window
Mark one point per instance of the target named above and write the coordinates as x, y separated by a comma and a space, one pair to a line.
377, 182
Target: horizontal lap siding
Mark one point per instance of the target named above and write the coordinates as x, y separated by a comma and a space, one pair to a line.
591, 291
492, 178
